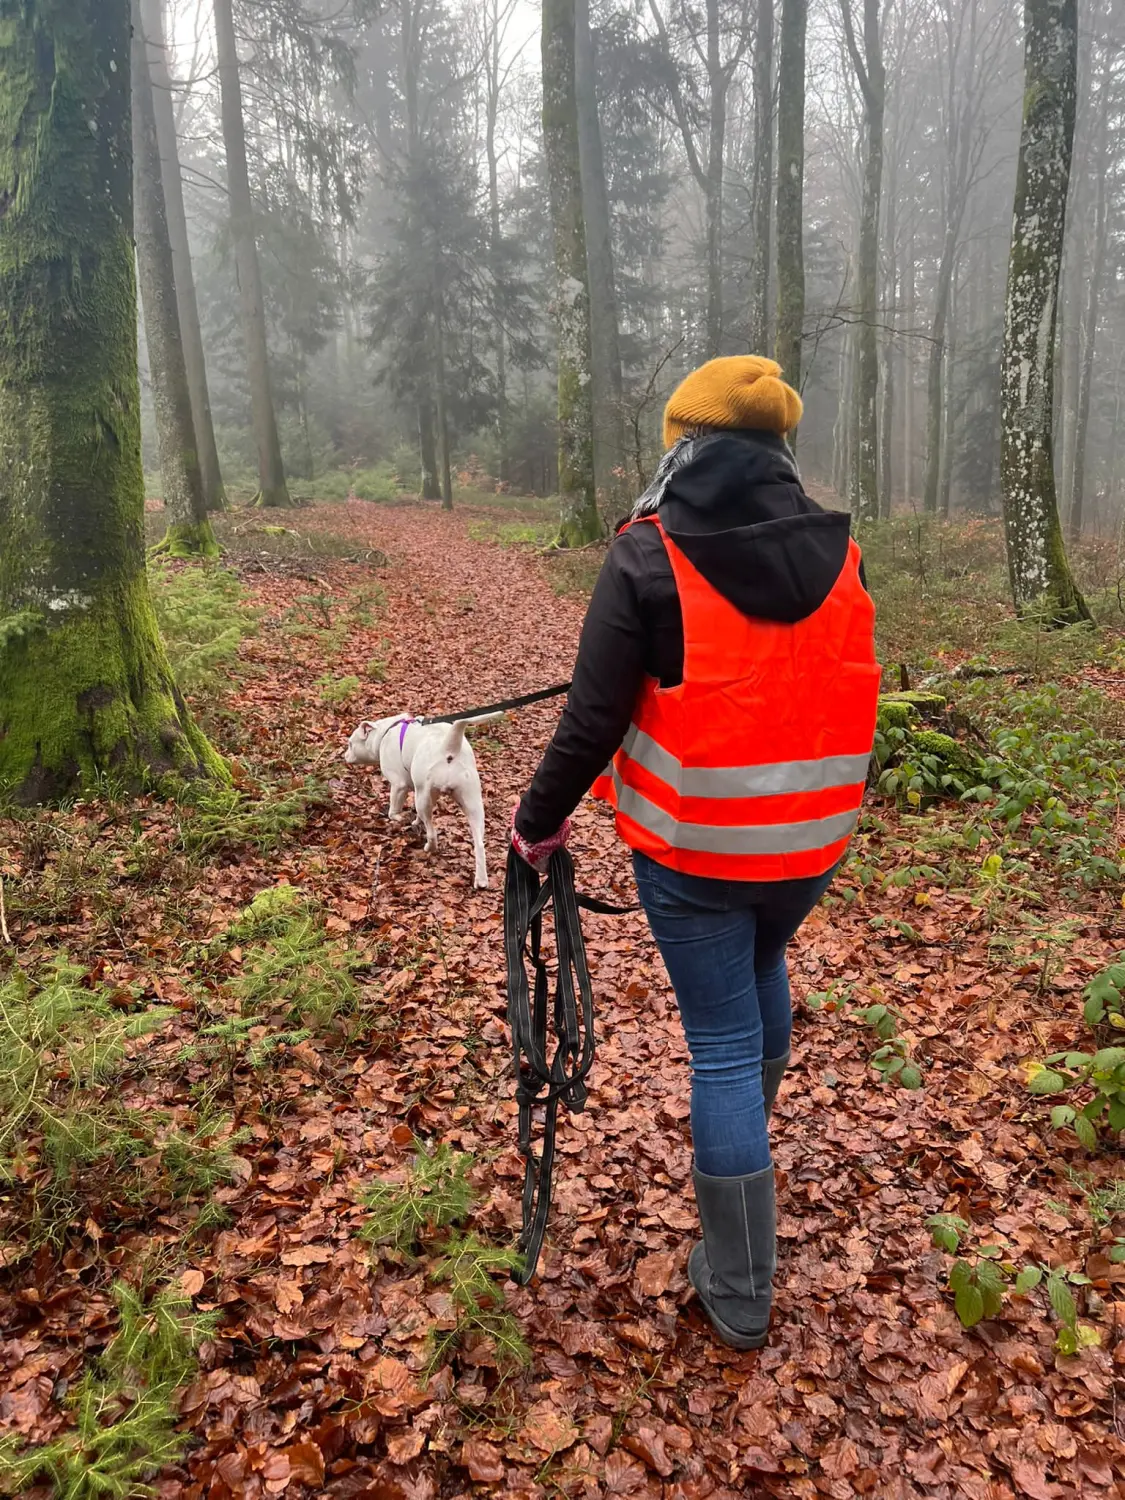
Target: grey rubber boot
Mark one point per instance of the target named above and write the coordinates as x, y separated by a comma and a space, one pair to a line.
773, 1071
732, 1270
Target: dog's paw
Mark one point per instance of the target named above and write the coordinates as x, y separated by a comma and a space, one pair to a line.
480, 883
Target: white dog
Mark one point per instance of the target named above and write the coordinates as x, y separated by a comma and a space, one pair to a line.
427, 759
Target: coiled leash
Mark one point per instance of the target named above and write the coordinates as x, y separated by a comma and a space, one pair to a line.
563, 1078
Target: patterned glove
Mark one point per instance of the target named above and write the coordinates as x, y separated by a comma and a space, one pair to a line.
538, 856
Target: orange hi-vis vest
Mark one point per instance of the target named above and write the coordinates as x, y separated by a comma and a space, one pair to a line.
753, 768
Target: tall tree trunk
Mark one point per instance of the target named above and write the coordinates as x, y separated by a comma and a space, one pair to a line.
886, 427
713, 196
427, 444
1091, 307
153, 22
945, 487
272, 489
85, 685
908, 308
843, 432
887, 344
496, 238
189, 531
1040, 574
1067, 362
863, 489
580, 521
444, 456
790, 189
763, 179
605, 339
935, 367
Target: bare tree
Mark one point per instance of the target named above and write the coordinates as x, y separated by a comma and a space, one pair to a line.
1099, 168
605, 340
272, 489
580, 519
706, 162
763, 178
189, 531
152, 19
790, 189
870, 74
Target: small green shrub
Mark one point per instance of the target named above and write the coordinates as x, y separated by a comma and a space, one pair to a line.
1105, 997
124, 1407
292, 967
215, 817
65, 1135
60, 1045
379, 483
338, 690
426, 1211
435, 1195
1103, 1072
203, 617
982, 1279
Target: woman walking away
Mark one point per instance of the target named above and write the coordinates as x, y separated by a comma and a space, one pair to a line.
727, 670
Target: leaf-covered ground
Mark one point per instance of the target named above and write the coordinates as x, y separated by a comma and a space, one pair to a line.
316, 1381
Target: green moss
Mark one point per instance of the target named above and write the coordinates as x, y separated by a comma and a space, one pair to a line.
946, 749
902, 710
186, 540
92, 694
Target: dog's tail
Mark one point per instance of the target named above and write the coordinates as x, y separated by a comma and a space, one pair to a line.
456, 735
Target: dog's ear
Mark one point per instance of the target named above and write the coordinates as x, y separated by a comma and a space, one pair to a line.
366, 727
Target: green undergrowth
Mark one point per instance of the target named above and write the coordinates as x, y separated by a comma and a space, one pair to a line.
983, 1277
331, 621
204, 617
424, 1214
1041, 771
378, 483
124, 1407
216, 819
291, 982
71, 1145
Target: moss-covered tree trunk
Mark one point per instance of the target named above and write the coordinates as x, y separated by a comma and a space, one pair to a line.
272, 489
863, 488
790, 191
580, 521
1037, 563
85, 685
213, 489
189, 531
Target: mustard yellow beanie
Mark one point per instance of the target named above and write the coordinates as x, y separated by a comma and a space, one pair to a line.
742, 390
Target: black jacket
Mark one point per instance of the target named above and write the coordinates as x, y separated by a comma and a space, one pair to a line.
737, 510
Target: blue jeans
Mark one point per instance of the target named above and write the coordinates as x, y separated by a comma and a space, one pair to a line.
723, 943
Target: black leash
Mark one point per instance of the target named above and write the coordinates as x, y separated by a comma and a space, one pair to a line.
497, 708
563, 1078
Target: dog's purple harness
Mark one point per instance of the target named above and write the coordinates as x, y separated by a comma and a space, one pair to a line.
406, 723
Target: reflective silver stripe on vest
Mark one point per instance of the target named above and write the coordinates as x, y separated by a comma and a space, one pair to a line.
759, 838
772, 780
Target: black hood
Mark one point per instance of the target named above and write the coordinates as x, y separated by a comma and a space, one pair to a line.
738, 512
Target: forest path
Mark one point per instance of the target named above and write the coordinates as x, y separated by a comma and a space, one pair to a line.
316, 1382
870, 1384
